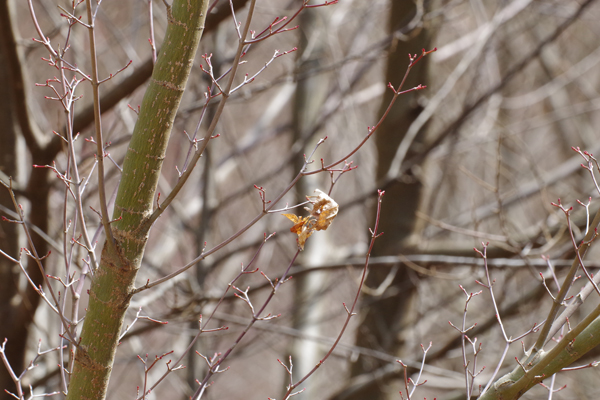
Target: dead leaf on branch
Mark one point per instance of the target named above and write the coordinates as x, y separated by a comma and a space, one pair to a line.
323, 212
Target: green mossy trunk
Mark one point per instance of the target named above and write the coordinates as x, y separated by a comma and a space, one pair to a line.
516, 383
112, 283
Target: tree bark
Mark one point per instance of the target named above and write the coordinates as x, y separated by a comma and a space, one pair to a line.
113, 282
17, 308
309, 97
9, 233
385, 315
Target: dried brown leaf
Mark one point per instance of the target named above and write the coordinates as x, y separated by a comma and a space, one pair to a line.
321, 216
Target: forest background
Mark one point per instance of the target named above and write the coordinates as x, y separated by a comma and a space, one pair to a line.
479, 155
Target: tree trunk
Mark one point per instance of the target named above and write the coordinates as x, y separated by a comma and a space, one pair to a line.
9, 233
17, 308
309, 96
113, 282
385, 315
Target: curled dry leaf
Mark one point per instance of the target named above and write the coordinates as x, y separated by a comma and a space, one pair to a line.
323, 212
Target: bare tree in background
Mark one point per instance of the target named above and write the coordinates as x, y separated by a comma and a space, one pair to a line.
492, 65
388, 317
479, 156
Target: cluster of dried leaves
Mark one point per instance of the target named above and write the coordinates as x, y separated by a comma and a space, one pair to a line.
321, 216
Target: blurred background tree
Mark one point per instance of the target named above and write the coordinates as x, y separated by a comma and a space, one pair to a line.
477, 156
